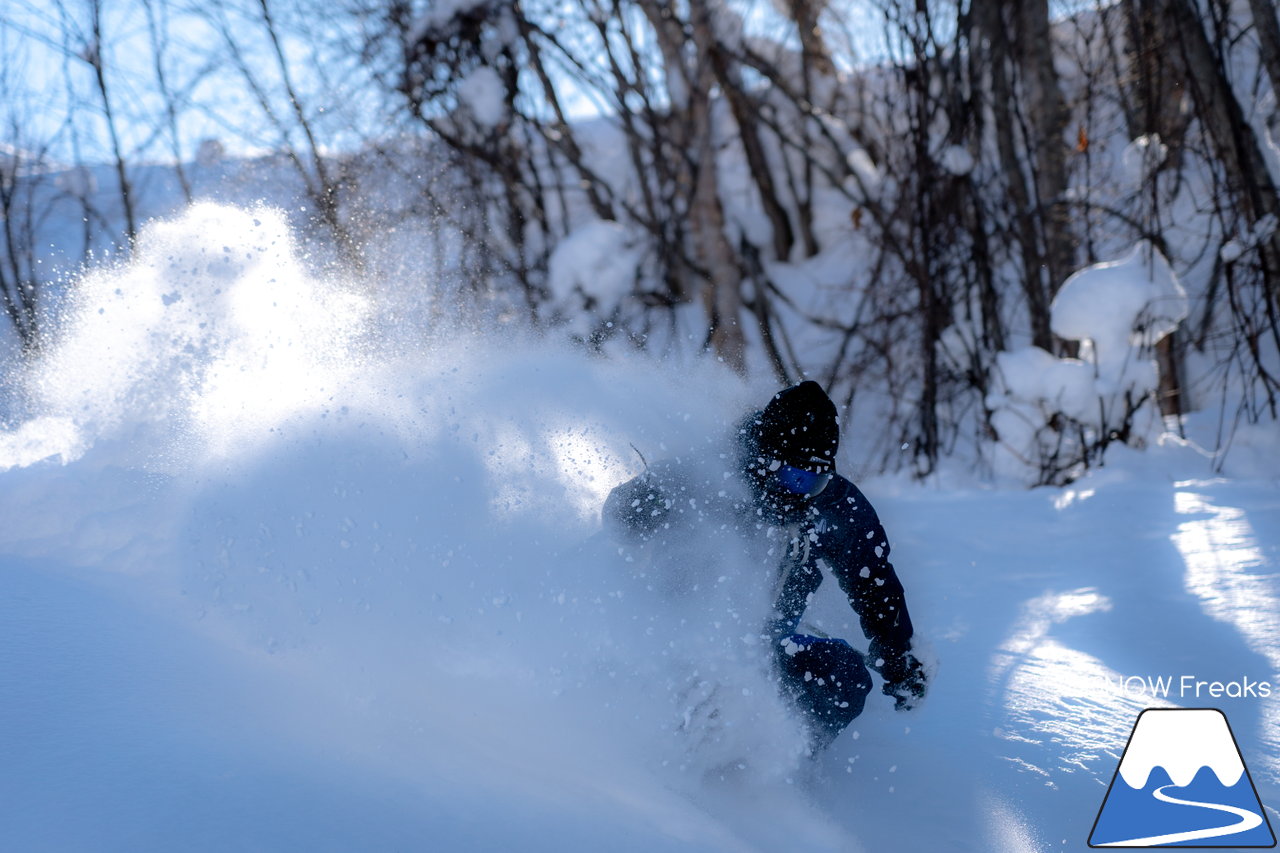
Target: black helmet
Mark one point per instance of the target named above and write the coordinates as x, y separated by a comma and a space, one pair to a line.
789, 448
800, 428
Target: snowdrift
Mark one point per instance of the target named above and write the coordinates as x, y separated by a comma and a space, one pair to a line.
269, 583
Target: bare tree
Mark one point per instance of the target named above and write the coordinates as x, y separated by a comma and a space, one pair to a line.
157, 12
959, 175
1016, 67
19, 283
24, 166
254, 44
92, 50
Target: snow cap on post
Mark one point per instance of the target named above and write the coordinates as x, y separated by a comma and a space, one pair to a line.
800, 427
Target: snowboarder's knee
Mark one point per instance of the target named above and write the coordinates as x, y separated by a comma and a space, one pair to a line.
827, 679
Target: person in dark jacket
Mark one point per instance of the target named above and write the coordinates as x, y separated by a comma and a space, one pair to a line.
791, 494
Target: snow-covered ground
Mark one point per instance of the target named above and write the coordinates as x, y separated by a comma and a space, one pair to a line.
267, 584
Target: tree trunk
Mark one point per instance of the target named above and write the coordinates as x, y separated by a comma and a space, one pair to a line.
722, 292
1169, 372
1157, 85
1033, 44
815, 53
992, 32
721, 287
1268, 29
1235, 143
730, 79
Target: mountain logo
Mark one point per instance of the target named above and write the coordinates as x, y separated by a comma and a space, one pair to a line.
1182, 783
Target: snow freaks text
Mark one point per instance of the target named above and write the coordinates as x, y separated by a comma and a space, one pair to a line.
1187, 687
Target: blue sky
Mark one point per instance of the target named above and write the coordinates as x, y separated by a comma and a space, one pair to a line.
52, 97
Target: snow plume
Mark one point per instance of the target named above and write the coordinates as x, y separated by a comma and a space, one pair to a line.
406, 543
214, 331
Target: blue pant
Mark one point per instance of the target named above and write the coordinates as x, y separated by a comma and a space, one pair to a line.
828, 681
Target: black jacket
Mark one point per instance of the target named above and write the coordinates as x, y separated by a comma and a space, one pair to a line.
838, 529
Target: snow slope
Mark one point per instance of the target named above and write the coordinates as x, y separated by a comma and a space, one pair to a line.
266, 585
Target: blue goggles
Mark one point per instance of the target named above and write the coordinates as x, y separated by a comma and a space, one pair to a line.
798, 481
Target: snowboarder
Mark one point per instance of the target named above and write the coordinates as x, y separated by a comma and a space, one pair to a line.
794, 496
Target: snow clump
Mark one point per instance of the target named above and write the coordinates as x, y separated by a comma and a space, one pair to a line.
1053, 416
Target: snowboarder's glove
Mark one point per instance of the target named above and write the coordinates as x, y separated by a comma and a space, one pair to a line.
904, 680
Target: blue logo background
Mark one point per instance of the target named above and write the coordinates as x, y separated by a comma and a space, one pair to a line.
1204, 813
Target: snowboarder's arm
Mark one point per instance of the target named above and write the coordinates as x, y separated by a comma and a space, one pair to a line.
862, 568
858, 556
